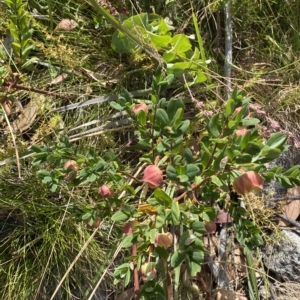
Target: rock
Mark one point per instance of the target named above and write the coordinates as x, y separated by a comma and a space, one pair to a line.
283, 258
223, 294
287, 159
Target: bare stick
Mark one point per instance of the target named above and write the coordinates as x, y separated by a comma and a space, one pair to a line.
14, 141
293, 222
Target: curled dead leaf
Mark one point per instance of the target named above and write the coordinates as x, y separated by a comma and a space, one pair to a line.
223, 217
223, 294
66, 25
292, 208
7, 106
164, 240
148, 271
128, 226
58, 79
147, 209
211, 227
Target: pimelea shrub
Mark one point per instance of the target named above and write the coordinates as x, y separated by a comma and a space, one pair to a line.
175, 200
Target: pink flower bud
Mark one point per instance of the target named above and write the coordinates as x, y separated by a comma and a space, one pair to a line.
139, 107
153, 176
105, 191
241, 131
72, 168
247, 182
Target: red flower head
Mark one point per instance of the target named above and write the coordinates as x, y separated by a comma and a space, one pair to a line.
247, 182
241, 131
139, 107
153, 176
72, 168
105, 191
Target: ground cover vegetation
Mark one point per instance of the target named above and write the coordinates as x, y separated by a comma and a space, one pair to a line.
124, 145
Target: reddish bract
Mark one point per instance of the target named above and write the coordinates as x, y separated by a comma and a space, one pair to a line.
248, 182
139, 107
241, 131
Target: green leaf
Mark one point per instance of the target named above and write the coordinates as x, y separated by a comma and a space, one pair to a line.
183, 127
129, 188
119, 216
175, 214
53, 187
116, 105
176, 121
86, 216
127, 277
127, 241
243, 158
182, 178
199, 227
142, 117
213, 127
178, 68
171, 173
246, 100
277, 139
245, 140
197, 256
290, 171
243, 113
252, 280
220, 155
36, 148
162, 197
193, 268
160, 41
162, 252
162, 118
159, 222
188, 155
230, 107
141, 145
43, 173
232, 124
192, 171
285, 181
122, 44
169, 56
41, 155
177, 258
173, 106
180, 44
249, 122
100, 166
271, 152
252, 148
200, 77
47, 179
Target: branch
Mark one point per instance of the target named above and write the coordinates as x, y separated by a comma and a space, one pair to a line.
35, 90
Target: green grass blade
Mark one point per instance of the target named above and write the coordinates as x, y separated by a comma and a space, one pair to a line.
252, 283
199, 38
